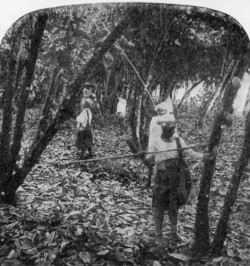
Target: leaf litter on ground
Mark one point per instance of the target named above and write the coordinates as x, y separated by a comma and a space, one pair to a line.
99, 212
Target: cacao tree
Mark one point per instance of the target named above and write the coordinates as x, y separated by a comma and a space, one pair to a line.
202, 229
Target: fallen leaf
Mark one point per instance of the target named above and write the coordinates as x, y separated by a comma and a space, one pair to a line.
9, 226
72, 214
63, 245
179, 256
50, 238
48, 204
85, 257
129, 193
11, 254
103, 252
217, 260
156, 263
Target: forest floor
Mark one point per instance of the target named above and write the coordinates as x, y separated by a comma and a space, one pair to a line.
99, 213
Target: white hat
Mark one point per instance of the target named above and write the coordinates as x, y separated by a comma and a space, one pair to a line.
166, 106
166, 118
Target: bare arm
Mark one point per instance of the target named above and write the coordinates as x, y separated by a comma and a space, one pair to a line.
190, 152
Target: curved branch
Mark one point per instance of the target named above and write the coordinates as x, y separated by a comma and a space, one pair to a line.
187, 93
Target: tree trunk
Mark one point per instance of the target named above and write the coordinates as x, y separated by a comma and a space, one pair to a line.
31, 62
44, 119
7, 179
7, 123
8, 95
219, 93
133, 144
204, 109
209, 107
21, 63
7, 110
247, 104
201, 241
130, 89
107, 83
66, 109
139, 122
222, 227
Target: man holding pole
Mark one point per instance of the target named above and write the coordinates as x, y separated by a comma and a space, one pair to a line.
167, 193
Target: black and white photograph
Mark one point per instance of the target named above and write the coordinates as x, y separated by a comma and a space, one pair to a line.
124, 133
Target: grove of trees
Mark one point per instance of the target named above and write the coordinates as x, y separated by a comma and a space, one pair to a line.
48, 56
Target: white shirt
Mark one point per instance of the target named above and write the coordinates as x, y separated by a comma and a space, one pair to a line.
121, 106
158, 144
155, 130
84, 118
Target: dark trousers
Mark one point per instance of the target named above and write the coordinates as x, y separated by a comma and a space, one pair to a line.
84, 141
165, 195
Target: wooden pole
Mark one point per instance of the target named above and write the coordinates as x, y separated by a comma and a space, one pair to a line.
128, 155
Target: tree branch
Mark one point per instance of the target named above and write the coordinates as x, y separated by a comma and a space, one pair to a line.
187, 93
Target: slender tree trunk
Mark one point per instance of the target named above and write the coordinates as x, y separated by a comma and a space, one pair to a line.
43, 122
202, 230
31, 62
130, 89
204, 110
8, 95
139, 122
247, 104
133, 144
18, 131
21, 63
7, 114
222, 227
107, 83
210, 104
224, 63
218, 94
